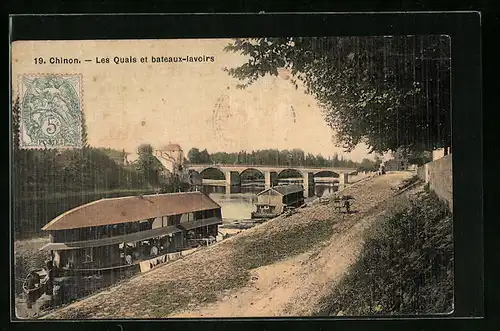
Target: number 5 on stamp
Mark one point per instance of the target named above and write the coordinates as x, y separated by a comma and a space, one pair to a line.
51, 111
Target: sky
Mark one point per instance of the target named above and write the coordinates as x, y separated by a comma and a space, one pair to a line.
191, 104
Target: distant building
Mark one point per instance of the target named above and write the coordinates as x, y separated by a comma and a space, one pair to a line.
171, 157
272, 201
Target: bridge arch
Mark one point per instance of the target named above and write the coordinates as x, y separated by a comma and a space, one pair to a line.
326, 173
290, 173
251, 174
212, 173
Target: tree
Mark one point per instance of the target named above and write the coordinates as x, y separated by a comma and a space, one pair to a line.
16, 113
385, 91
418, 158
194, 156
272, 157
171, 183
368, 165
204, 157
16, 167
148, 166
336, 161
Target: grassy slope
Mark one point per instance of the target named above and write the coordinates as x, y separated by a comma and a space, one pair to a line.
405, 267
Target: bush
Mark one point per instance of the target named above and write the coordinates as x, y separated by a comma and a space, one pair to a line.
410, 181
405, 266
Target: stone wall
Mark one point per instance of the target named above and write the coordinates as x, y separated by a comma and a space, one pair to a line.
439, 175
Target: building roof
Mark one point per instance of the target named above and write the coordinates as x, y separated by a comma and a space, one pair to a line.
130, 209
171, 147
285, 189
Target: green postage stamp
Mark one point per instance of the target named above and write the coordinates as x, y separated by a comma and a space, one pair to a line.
50, 111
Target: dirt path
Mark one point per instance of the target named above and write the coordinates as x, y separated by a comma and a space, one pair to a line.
219, 281
293, 287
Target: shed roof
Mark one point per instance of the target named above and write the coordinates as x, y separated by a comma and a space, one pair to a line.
130, 209
285, 189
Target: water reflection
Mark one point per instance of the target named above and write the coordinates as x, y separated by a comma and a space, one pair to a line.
240, 203
324, 189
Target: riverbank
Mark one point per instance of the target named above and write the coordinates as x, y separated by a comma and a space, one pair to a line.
418, 279
272, 269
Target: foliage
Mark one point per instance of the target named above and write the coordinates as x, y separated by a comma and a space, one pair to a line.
368, 165
172, 183
197, 157
15, 123
119, 156
419, 158
42, 172
275, 157
148, 166
385, 91
405, 267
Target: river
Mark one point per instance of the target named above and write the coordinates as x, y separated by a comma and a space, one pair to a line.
238, 206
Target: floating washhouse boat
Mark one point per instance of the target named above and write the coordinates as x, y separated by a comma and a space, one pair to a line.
273, 201
135, 232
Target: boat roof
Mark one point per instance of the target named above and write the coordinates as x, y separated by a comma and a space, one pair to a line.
128, 238
200, 223
131, 209
284, 189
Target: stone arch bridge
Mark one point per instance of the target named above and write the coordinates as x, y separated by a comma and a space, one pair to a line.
232, 174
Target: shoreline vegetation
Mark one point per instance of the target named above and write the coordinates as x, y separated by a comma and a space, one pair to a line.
405, 266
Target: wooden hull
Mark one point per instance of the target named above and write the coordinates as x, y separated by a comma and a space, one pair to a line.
97, 271
72, 284
255, 215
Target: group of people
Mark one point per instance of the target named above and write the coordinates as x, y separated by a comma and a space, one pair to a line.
151, 249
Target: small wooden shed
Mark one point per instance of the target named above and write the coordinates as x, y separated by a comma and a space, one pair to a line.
272, 201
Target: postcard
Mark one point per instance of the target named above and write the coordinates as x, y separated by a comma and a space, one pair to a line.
250, 177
